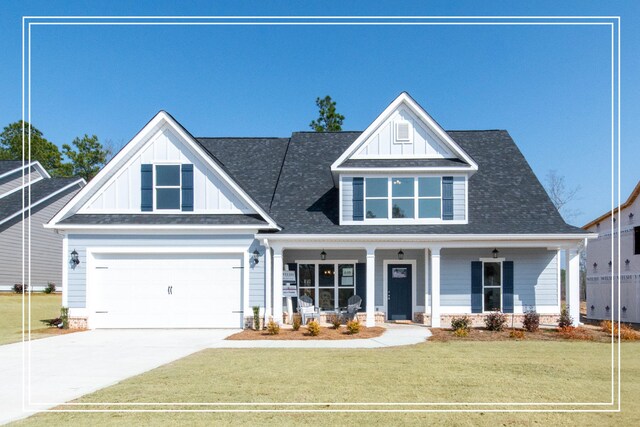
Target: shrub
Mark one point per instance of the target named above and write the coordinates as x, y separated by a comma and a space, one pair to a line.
336, 322
606, 326
461, 332
565, 319
296, 323
273, 328
627, 333
51, 287
57, 322
19, 288
531, 321
495, 321
573, 333
256, 317
516, 334
461, 323
64, 316
353, 327
313, 328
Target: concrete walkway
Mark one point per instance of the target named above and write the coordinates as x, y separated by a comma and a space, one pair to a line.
65, 367
395, 335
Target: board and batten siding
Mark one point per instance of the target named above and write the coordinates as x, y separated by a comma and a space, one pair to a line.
80, 242
423, 142
535, 276
121, 194
346, 184
13, 181
46, 246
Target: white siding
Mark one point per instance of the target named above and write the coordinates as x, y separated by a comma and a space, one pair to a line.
121, 194
346, 183
423, 141
535, 276
13, 181
459, 198
79, 242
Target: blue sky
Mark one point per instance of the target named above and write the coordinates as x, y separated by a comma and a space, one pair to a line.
549, 86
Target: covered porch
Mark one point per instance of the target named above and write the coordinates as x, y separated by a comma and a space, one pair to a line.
428, 282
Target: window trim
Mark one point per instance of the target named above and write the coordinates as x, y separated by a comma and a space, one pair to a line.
636, 240
336, 286
499, 261
156, 187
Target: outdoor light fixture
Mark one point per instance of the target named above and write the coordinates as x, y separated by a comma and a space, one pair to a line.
74, 257
626, 263
592, 307
323, 255
624, 308
595, 266
256, 256
495, 253
631, 217
400, 255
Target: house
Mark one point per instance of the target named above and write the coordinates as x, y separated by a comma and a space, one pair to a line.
603, 268
22, 215
423, 224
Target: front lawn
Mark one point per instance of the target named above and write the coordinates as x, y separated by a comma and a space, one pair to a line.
454, 371
43, 306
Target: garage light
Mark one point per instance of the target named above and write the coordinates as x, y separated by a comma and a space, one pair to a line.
256, 256
74, 257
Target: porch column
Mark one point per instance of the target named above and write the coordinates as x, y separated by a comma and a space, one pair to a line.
267, 282
427, 304
277, 285
435, 287
572, 283
371, 288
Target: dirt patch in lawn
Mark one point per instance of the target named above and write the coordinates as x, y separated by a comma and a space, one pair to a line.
302, 334
477, 334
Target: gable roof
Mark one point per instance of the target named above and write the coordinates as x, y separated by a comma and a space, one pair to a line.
404, 99
42, 191
8, 167
505, 197
632, 197
129, 150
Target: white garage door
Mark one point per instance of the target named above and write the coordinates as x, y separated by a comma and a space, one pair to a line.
166, 291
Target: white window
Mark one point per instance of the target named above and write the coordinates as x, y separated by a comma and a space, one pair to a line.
333, 283
403, 198
167, 187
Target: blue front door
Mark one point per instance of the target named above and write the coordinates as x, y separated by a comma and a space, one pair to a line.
399, 291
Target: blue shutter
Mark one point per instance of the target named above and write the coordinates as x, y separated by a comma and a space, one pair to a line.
507, 286
358, 199
476, 286
146, 188
361, 284
447, 197
294, 301
187, 188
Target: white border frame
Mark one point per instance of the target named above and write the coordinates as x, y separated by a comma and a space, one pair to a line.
336, 285
613, 22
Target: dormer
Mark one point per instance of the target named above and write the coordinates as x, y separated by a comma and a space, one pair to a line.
403, 169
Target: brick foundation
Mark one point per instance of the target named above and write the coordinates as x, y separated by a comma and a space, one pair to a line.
77, 323
477, 320
326, 318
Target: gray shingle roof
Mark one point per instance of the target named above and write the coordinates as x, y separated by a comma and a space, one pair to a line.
155, 219
402, 163
505, 197
9, 165
12, 203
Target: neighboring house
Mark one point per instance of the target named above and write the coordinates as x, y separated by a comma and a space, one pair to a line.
423, 224
602, 267
22, 215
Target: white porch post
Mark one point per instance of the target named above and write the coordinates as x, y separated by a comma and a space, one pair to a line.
572, 283
267, 282
427, 305
435, 287
277, 285
371, 290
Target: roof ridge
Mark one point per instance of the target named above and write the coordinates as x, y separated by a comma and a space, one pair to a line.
241, 137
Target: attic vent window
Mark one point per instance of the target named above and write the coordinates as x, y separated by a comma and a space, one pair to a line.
403, 134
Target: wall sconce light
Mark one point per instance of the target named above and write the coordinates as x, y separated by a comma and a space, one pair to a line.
607, 308
624, 308
74, 257
614, 219
495, 253
400, 255
595, 266
592, 307
256, 256
323, 255
626, 264
631, 217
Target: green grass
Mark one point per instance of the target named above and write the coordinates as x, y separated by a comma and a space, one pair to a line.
43, 306
523, 371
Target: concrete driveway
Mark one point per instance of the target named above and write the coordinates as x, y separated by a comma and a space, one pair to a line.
66, 367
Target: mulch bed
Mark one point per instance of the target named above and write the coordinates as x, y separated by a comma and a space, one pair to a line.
302, 334
478, 334
54, 331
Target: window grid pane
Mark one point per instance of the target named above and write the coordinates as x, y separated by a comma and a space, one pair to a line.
429, 187
377, 208
168, 198
402, 187
168, 175
377, 187
429, 208
402, 208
